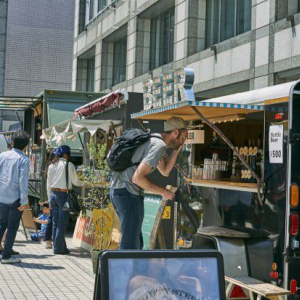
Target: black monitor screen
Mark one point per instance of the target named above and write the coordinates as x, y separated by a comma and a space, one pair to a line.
163, 278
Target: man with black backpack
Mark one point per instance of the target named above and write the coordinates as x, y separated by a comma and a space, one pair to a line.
134, 155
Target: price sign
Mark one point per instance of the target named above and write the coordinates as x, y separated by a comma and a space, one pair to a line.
195, 137
167, 213
276, 144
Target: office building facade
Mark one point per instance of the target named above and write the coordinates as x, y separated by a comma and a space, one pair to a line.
232, 45
36, 46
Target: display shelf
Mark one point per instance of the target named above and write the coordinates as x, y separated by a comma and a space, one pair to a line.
226, 185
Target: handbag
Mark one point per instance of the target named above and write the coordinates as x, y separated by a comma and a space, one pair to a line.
72, 197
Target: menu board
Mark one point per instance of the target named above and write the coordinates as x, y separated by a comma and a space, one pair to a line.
276, 144
159, 220
154, 208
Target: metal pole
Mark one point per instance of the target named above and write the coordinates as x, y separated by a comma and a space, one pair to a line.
44, 152
1, 120
228, 142
19, 118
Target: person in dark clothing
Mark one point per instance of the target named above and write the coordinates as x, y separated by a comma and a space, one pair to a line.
14, 177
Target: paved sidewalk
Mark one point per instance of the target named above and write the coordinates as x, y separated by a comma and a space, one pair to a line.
41, 275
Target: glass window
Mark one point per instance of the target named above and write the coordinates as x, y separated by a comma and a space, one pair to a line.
101, 4
226, 19
119, 64
162, 39
212, 22
90, 74
281, 9
91, 9
243, 22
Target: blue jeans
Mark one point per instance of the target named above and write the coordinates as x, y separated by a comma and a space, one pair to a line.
10, 218
130, 209
60, 219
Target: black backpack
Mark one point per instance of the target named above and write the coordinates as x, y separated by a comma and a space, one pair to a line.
121, 152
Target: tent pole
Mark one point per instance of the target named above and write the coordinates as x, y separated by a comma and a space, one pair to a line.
43, 195
114, 129
82, 144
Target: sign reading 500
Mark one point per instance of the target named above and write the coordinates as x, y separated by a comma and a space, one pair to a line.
169, 88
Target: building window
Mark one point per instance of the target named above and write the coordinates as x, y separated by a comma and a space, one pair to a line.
91, 9
90, 74
97, 7
282, 9
162, 39
226, 19
101, 5
81, 23
119, 62
86, 71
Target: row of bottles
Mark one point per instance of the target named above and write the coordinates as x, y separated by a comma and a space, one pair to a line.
253, 154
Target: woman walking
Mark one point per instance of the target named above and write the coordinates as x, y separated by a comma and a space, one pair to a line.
57, 187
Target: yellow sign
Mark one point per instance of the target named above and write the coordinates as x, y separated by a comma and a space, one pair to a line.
167, 213
103, 220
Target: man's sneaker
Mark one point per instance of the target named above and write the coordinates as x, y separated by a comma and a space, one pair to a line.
48, 246
14, 252
11, 260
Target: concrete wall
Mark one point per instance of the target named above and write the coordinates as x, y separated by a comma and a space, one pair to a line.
39, 46
254, 57
3, 20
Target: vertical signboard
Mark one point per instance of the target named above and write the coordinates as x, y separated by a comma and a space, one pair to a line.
276, 144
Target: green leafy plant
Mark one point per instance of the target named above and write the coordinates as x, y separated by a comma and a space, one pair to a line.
97, 154
97, 189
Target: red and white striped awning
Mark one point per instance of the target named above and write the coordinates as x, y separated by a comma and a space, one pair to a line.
99, 105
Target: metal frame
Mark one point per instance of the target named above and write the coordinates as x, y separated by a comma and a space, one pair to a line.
18, 103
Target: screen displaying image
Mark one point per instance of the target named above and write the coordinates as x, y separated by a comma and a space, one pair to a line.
163, 278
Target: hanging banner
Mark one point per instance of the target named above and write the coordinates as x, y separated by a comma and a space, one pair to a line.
276, 144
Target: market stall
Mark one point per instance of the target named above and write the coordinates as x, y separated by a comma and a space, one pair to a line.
96, 227
237, 170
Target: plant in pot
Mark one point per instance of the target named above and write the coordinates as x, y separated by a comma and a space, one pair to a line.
96, 199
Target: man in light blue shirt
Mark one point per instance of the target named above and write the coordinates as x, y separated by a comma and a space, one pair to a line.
14, 175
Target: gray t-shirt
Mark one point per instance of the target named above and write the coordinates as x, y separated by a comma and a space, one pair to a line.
149, 153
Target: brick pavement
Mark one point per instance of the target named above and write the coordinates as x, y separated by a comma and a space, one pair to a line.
42, 275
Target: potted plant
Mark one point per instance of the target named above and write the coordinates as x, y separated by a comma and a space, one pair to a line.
96, 199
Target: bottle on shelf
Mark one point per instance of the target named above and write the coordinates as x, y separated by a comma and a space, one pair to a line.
260, 156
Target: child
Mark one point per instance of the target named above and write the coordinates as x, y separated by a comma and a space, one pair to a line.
43, 220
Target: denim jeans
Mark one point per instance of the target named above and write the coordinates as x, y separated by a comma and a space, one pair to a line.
48, 234
60, 219
10, 218
130, 209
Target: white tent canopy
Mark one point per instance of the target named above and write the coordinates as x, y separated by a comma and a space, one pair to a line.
59, 133
280, 92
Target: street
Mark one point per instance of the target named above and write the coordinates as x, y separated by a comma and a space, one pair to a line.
41, 275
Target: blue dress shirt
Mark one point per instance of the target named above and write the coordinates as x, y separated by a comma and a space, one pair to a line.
14, 176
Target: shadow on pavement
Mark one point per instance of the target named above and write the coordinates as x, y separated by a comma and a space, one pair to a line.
38, 266
79, 253
35, 256
27, 242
